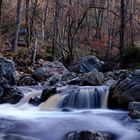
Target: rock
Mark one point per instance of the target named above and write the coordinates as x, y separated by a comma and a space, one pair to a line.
53, 80
108, 66
38, 76
132, 94
68, 77
66, 109
128, 90
2, 71
47, 92
90, 135
75, 81
111, 83
86, 64
27, 81
93, 78
136, 73
116, 75
121, 74
3, 82
17, 76
59, 80
109, 75
48, 70
35, 101
10, 95
134, 110
1, 92
7, 69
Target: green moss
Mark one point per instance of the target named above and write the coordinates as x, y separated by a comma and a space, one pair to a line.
22, 53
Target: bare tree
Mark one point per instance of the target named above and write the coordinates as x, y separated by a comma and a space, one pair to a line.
55, 30
28, 21
122, 31
0, 17
17, 26
33, 31
33, 18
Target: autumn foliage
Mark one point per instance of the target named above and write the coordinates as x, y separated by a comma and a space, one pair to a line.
70, 28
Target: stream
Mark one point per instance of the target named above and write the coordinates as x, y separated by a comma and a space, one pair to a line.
51, 121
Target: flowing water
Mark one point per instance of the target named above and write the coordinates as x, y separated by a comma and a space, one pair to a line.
48, 122
85, 97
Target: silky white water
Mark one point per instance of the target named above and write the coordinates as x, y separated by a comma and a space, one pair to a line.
26, 122
87, 97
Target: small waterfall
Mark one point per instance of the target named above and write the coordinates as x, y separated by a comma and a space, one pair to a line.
51, 103
28, 94
72, 97
85, 97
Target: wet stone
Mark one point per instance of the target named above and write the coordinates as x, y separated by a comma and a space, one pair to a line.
35, 101
90, 135
10, 95
134, 110
47, 92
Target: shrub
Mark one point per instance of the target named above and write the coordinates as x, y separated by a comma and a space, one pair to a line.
22, 53
132, 54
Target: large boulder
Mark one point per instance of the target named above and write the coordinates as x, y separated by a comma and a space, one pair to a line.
86, 64
90, 135
10, 95
93, 78
134, 110
128, 90
8, 70
48, 70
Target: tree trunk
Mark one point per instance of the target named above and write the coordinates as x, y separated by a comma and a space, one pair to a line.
32, 28
27, 22
122, 32
17, 26
0, 17
55, 31
34, 51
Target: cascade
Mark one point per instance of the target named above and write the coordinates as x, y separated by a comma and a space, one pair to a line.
51, 103
85, 97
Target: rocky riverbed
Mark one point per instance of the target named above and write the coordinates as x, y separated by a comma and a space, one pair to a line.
58, 103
